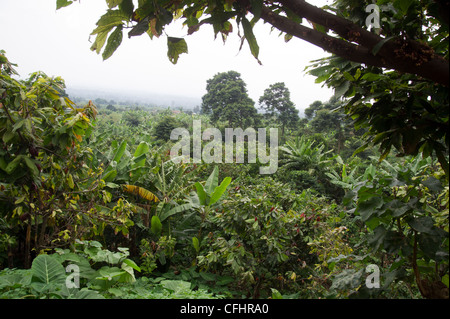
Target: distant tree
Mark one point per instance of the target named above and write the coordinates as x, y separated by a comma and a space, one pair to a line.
165, 127
313, 107
328, 117
227, 99
131, 118
111, 108
276, 102
99, 101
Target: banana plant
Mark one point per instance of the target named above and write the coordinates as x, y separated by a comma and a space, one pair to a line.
202, 200
208, 195
124, 166
346, 180
170, 182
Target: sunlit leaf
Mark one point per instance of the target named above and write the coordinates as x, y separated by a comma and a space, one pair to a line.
156, 225
196, 244
100, 41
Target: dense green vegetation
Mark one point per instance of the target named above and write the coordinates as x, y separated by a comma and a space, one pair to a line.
93, 206
96, 187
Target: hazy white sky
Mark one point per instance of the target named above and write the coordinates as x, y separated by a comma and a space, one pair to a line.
37, 37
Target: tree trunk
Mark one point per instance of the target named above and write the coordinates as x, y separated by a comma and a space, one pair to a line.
27, 262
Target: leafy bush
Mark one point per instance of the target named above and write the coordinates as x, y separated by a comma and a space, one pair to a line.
405, 209
260, 233
102, 274
49, 192
164, 127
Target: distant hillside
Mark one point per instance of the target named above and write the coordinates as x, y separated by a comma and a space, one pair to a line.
133, 98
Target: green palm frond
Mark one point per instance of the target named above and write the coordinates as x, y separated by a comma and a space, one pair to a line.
303, 154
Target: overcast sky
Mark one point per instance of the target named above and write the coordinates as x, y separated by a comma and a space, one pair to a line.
37, 37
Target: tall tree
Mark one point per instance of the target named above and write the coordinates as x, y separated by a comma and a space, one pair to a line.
310, 111
227, 99
328, 117
277, 102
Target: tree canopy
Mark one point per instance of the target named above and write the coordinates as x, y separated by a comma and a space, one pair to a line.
277, 102
226, 99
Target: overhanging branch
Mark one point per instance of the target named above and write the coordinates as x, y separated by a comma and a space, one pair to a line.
331, 44
397, 54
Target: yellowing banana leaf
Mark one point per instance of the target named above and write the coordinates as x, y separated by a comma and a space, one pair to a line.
141, 192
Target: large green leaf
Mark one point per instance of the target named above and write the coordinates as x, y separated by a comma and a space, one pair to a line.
139, 154
177, 209
139, 28
219, 190
176, 46
433, 184
213, 181
250, 37
200, 193
127, 7
196, 244
141, 149
120, 151
109, 20
46, 269
100, 41
114, 40
13, 164
156, 225
276, 294
176, 285
369, 207
62, 3
109, 175
424, 224
132, 264
342, 89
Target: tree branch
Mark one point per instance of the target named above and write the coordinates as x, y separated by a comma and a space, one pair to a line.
343, 27
331, 44
405, 56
